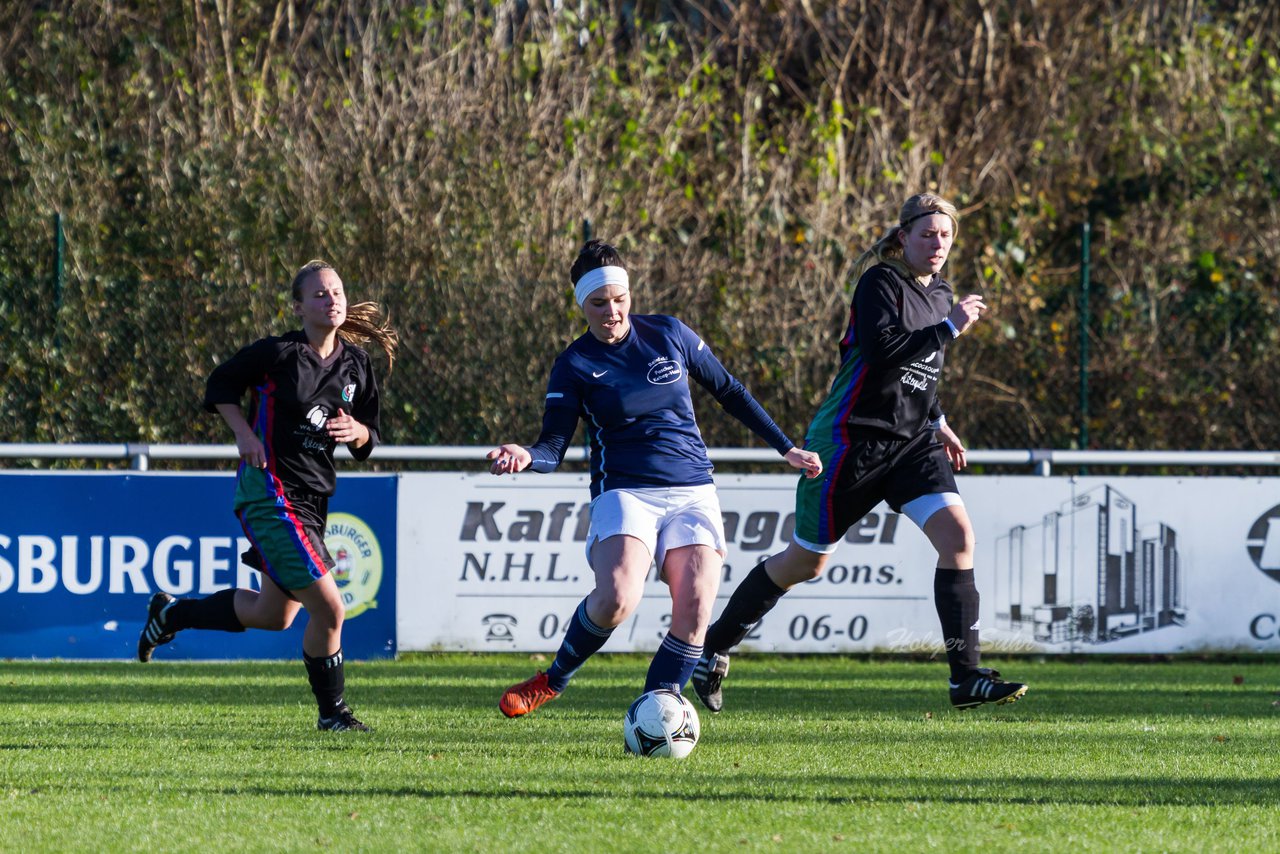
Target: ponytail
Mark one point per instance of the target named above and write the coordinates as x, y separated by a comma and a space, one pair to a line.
365, 323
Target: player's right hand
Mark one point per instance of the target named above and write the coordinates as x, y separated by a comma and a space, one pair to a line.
252, 451
508, 459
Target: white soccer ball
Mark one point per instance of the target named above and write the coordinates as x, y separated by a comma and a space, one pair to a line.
661, 723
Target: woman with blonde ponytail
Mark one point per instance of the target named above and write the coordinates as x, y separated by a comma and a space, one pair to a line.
882, 436
889, 249
310, 390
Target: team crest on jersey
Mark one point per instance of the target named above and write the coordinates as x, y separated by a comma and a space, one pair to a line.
357, 562
664, 371
349, 392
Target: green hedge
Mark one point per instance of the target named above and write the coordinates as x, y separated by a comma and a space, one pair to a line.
740, 158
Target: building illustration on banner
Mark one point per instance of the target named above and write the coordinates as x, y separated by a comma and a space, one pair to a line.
1088, 573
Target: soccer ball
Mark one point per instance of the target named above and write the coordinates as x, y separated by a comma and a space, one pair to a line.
661, 723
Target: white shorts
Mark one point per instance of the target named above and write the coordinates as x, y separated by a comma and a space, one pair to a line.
662, 517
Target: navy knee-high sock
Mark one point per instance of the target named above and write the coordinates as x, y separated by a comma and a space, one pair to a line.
753, 598
582, 640
956, 597
217, 612
672, 665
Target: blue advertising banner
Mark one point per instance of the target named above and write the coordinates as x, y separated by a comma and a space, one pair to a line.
81, 555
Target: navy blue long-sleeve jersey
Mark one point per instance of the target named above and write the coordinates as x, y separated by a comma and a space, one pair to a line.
634, 397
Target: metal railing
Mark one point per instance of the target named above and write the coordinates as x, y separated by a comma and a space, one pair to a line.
1040, 461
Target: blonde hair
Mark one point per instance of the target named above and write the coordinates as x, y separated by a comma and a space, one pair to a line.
365, 322
888, 249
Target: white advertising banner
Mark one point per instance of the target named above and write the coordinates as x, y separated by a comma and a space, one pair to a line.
1064, 564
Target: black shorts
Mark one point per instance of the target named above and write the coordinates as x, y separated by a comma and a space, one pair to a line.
287, 538
858, 476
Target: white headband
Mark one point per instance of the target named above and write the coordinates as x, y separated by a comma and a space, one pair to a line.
598, 278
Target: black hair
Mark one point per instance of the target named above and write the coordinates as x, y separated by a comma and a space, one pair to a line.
594, 254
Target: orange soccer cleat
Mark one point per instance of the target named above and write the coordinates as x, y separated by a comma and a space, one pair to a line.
528, 695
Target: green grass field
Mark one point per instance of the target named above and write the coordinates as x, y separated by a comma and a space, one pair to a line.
811, 754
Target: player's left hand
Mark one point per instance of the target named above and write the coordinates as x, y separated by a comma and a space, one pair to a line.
953, 446
966, 312
807, 461
344, 429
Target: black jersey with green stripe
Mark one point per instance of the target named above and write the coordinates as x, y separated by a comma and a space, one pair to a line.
293, 394
890, 360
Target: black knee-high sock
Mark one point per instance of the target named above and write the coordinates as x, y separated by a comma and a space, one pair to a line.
956, 597
217, 612
755, 597
327, 682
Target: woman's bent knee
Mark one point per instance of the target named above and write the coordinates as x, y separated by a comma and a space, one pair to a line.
274, 622
610, 608
795, 566
955, 541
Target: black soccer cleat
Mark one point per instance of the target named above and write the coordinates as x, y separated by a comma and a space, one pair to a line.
153, 633
708, 674
984, 685
342, 721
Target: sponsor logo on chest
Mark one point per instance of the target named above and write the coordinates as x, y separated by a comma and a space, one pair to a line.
664, 371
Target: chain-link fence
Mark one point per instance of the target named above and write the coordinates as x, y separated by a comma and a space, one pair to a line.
112, 361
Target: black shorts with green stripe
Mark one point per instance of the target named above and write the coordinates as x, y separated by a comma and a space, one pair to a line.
858, 476
287, 538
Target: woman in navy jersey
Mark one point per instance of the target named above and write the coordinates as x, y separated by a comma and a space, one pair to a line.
310, 390
627, 377
882, 437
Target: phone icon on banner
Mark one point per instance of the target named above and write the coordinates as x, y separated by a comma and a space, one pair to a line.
499, 627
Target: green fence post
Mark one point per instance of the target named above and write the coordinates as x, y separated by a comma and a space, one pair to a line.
59, 277
59, 265
1084, 335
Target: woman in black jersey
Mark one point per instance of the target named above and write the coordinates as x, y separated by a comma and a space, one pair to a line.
882, 436
310, 390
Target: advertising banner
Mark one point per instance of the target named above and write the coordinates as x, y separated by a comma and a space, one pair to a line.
81, 555
1064, 564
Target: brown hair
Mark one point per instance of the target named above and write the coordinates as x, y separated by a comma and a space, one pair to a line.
365, 321
888, 249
